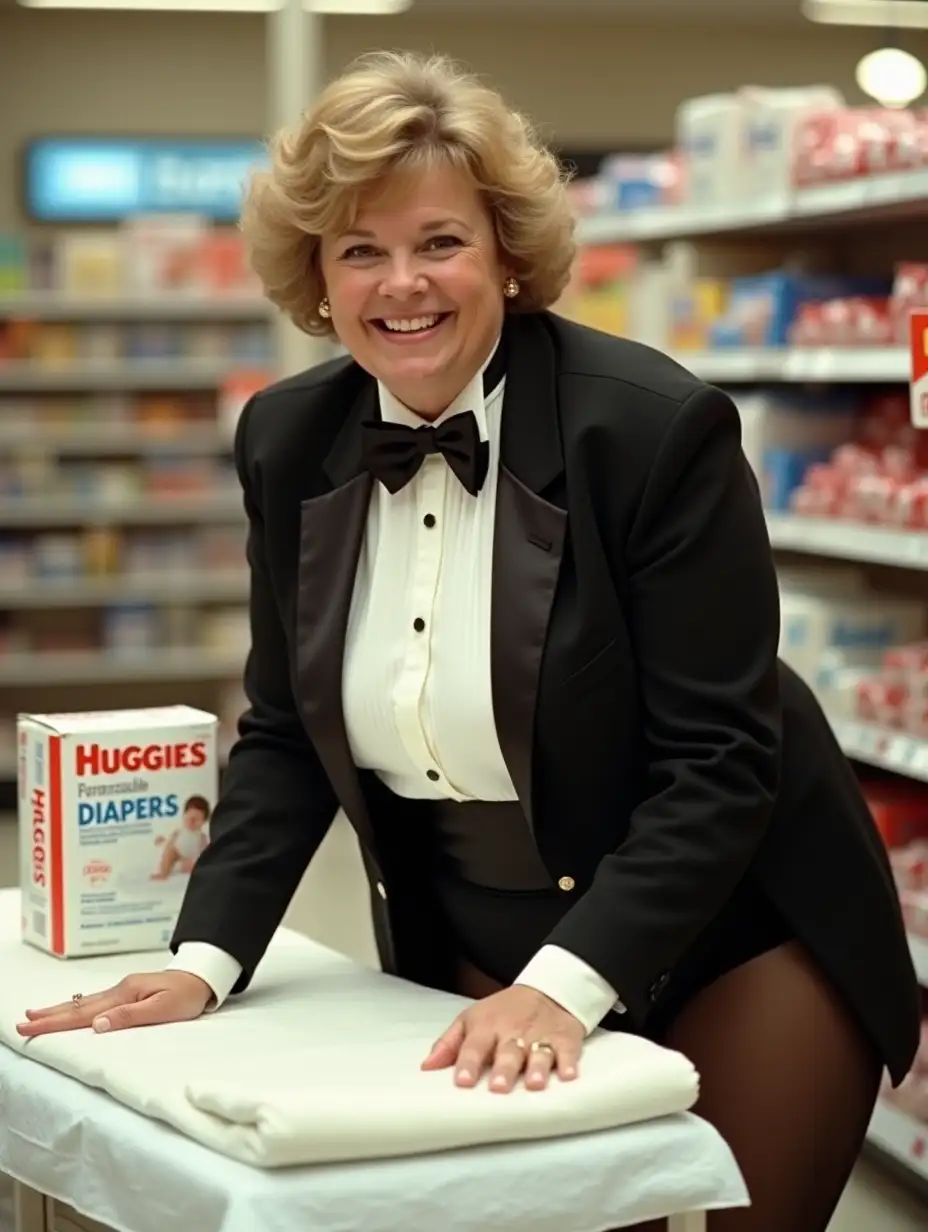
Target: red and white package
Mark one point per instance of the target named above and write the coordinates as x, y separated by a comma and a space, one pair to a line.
911, 658
880, 700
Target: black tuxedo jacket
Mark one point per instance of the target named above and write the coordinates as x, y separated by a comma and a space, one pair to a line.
635, 680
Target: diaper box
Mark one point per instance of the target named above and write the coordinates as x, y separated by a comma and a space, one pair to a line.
114, 810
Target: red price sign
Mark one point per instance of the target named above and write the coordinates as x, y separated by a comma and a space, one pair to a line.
918, 351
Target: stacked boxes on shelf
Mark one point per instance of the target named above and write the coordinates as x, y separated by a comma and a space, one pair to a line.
121, 527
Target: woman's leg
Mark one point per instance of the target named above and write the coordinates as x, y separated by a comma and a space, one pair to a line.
789, 1080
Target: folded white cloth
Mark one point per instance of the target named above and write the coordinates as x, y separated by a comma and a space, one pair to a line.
319, 1062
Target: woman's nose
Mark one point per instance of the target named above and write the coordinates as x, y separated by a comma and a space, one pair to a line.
402, 278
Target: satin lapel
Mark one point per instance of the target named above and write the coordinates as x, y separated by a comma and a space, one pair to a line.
331, 533
528, 543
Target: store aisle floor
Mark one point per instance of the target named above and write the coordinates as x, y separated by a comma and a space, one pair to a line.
331, 907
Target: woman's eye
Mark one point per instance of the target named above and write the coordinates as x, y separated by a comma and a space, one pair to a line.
358, 252
443, 241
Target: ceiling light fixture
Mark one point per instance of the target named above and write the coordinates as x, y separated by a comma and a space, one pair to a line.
893, 77
345, 8
894, 14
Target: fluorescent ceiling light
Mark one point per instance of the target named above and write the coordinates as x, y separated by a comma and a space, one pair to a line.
356, 8
888, 14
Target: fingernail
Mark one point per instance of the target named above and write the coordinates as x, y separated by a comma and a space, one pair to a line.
570, 1072
499, 1081
464, 1075
101, 1024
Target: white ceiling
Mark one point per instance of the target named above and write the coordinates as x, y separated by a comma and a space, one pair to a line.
735, 11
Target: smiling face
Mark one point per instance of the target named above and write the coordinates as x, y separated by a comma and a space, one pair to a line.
416, 287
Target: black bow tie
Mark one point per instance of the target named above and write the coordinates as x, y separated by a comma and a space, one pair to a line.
394, 452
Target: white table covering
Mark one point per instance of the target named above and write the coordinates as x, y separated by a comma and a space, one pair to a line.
136, 1174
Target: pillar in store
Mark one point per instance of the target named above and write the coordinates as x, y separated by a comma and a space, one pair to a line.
295, 74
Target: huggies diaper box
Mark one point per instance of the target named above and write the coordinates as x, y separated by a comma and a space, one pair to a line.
114, 810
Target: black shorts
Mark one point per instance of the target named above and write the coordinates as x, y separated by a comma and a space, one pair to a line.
498, 931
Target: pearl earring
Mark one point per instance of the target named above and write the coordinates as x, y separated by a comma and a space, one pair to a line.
325, 308
511, 288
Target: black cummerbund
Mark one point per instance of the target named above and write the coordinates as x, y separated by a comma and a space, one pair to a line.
496, 893
489, 845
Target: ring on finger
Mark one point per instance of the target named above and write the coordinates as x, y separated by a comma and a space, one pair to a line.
77, 999
538, 1046
517, 1042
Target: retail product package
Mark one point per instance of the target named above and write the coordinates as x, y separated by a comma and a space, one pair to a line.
761, 308
709, 134
771, 120
320, 1062
862, 628
784, 434
114, 807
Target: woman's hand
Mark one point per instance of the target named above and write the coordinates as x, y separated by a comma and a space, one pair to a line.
136, 1001
498, 1033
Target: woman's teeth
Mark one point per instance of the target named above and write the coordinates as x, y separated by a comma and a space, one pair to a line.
411, 326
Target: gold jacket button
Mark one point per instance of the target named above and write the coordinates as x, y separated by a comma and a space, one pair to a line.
566, 883
381, 889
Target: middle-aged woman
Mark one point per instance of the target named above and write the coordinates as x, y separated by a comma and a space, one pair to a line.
513, 608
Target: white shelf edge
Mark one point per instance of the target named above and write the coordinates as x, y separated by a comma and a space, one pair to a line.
848, 540
112, 667
918, 947
65, 306
900, 1136
140, 511
176, 586
793, 365
875, 196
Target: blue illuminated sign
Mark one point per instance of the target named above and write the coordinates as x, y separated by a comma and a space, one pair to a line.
76, 179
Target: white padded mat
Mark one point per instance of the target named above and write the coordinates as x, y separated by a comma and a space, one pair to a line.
133, 1174
320, 1062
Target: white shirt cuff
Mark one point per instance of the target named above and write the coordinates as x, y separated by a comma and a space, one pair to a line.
573, 984
214, 967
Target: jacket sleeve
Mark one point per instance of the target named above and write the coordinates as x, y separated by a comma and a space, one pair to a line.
703, 615
276, 803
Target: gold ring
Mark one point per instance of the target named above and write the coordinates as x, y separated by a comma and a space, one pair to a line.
542, 1046
77, 999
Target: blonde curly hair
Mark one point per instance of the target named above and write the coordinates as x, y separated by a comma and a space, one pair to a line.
398, 112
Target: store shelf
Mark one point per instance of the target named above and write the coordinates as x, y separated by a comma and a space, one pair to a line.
187, 586
864, 200
919, 948
150, 510
25, 376
883, 747
61, 306
900, 1136
799, 364
847, 540
99, 667
103, 439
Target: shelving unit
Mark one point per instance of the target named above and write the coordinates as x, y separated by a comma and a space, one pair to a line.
115, 376
876, 545
860, 202
853, 206
52, 306
111, 667
80, 437
799, 365
168, 587
148, 510
113, 440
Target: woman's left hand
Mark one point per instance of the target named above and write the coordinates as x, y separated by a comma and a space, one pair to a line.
498, 1033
